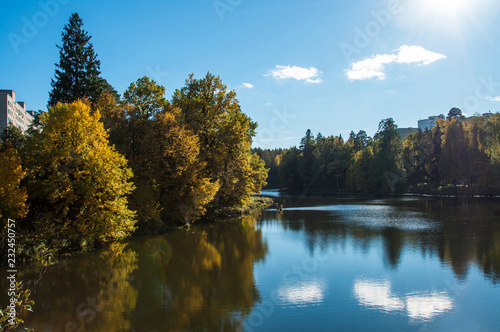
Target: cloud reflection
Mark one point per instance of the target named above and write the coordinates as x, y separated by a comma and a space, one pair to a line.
423, 306
377, 294
302, 294
428, 306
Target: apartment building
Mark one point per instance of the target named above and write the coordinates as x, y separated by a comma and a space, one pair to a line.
13, 112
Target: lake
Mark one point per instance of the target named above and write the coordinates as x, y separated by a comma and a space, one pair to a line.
321, 264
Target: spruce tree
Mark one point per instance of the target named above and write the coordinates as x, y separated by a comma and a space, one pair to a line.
78, 72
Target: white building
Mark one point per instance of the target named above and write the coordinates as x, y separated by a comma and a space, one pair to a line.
429, 123
13, 112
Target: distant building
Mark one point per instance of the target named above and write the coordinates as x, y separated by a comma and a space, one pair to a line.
403, 132
429, 123
13, 112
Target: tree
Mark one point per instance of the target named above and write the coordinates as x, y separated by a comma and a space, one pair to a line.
78, 72
172, 186
454, 159
387, 156
13, 136
288, 171
146, 98
360, 173
108, 88
225, 134
307, 167
12, 195
455, 112
77, 183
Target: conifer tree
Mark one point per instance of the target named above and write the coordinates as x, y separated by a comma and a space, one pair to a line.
78, 72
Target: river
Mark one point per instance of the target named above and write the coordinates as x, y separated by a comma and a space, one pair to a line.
321, 264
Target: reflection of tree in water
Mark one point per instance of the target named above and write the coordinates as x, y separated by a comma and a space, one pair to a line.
90, 292
206, 282
466, 230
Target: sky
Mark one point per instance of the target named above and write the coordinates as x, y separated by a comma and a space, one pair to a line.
331, 66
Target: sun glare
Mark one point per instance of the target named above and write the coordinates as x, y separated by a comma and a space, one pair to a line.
446, 7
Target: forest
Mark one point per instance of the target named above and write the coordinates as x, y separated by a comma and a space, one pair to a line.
98, 166
459, 156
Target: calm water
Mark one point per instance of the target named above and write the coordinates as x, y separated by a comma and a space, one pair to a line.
323, 264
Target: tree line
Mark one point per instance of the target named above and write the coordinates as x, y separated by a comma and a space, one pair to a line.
97, 166
457, 156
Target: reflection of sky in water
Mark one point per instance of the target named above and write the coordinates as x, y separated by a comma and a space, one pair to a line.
377, 294
375, 216
302, 294
423, 306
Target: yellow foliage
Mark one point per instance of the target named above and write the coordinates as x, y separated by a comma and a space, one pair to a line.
12, 195
78, 183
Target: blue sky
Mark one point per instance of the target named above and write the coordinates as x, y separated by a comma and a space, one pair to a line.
328, 65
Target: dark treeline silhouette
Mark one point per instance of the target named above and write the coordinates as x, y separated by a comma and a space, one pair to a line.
457, 156
269, 158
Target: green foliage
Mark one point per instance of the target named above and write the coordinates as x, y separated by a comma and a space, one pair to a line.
23, 303
270, 162
77, 183
454, 113
78, 73
458, 156
13, 136
145, 98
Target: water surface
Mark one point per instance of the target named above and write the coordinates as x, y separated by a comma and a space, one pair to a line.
322, 264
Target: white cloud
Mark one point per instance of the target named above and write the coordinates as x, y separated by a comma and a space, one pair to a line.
374, 67
417, 54
247, 85
309, 75
493, 98
369, 68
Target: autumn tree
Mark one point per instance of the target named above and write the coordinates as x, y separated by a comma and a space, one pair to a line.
360, 174
77, 183
225, 134
454, 156
172, 186
78, 71
12, 195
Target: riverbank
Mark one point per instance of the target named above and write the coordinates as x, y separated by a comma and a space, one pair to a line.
256, 203
442, 192
30, 247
